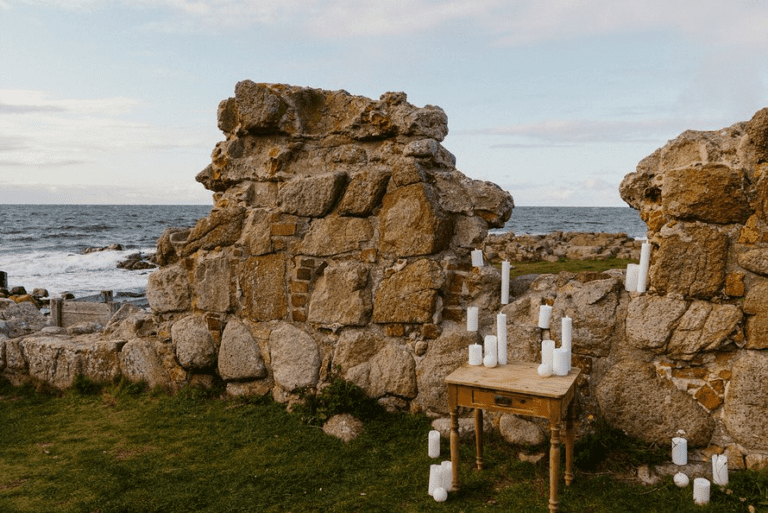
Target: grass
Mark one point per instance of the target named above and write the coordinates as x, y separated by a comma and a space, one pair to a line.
574, 266
124, 449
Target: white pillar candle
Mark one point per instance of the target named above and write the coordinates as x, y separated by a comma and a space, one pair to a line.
477, 258
567, 332
630, 281
679, 451
472, 318
490, 346
681, 480
547, 348
645, 262
701, 491
434, 444
720, 469
545, 313
501, 338
435, 478
475, 354
447, 475
560, 361
505, 283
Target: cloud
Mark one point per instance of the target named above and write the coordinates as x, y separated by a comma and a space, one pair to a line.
157, 194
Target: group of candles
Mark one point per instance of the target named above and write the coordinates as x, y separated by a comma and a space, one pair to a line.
494, 349
555, 360
477, 261
440, 476
637, 274
701, 485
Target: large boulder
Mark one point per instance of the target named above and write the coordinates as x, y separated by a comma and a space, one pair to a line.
195, 348
410, 294
295, 358
745, 413
240, 355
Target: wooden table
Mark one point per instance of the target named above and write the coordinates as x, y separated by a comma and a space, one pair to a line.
515, 388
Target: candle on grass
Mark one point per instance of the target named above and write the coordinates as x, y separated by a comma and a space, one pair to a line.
475, 354
505, 282
701, 490
720, 469
681, 480
472, 318
545, 314
434, 444
447, 475
679, 451
435, 478
501, 338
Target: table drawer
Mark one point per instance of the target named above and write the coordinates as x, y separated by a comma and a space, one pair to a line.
492, 399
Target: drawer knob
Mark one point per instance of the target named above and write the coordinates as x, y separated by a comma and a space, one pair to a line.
502, 401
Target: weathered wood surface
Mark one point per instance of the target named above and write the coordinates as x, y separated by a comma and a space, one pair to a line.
66, 313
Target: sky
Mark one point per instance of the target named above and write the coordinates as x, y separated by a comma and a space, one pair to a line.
114, 101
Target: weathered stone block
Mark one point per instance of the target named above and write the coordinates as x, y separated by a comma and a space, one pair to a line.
139, 361
240, 354
341, 297
364, 192
213, 283
713, 193
169, 290
413, 223
194, 344
294, 356
651, 319
262, 285
745, 412
756, 308
336, 235
633, 398
259, 108
410, 295
690, 260
311, 196
256, 236
221, 228
755, 260
703, 327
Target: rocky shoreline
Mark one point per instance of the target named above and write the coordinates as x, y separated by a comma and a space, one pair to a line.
559, 245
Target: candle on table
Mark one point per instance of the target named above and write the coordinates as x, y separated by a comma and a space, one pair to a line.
505, 282
547, 348
720, 469
477, 258
560, 361
501, 338
472, 318
567, 332
645, 262
545, 313
490, 359
630, 281
701, 491
434, 444
679, 451
475, 354
544, 370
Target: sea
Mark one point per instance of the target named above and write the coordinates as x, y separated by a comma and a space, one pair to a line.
42, 245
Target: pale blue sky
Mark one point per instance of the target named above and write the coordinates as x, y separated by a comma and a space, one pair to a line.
554, 100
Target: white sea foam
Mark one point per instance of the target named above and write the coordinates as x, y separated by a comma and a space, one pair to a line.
79, 274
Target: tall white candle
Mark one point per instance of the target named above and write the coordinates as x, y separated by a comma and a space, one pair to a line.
679, 451
567, 332
720, 469
475, 354
435, 478
645, 262
701, 491
545, 314
434, 444
472, 318
505, 283
547, 350
447, 475
630, 281
501, 337
477, 258
560, 361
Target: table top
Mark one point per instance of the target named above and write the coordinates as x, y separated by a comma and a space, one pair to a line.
514, 377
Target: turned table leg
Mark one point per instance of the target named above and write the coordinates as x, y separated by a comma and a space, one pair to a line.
455, 447
554, 466
569, 441
479, 437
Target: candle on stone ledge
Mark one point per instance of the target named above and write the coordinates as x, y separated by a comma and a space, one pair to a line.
475, 354
645, 262
501, 338
701, 491
434, 444
545, 314
679, 451
472, 318
505, 282
477, 258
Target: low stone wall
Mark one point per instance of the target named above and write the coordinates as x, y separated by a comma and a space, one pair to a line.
555, 246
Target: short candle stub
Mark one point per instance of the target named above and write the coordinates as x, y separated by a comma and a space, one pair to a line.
440, 494
681, 480
545, 370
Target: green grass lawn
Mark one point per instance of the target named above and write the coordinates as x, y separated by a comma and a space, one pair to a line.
121, 450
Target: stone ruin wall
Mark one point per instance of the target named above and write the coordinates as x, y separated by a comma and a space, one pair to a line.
340, 237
